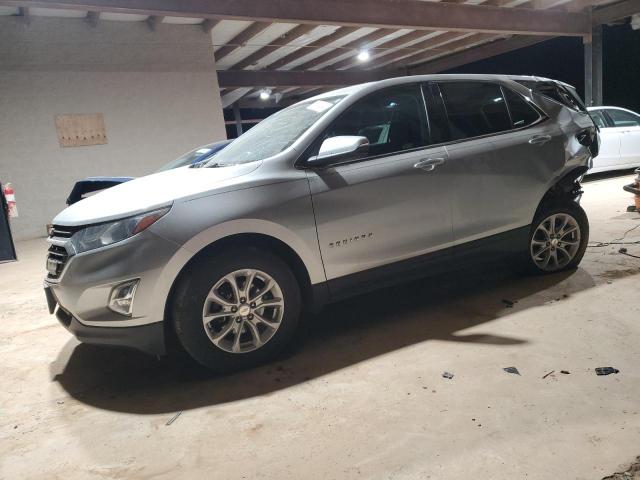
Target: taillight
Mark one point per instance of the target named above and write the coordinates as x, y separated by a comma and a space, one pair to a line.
586, 136
589, 138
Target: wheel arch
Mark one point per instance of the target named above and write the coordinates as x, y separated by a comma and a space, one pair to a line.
566, 187
314, 296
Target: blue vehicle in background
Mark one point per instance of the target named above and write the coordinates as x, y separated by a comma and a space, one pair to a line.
95, 184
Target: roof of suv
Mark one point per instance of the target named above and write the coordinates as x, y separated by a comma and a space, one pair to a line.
423, 78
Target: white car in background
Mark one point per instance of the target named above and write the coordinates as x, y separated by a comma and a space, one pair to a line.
619, 138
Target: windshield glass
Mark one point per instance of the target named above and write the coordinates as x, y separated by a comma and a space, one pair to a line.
187, 158
275, 133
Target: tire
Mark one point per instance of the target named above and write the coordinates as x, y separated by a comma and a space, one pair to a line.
205, 290
568, 241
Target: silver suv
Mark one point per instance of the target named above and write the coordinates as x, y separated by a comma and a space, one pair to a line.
342, 193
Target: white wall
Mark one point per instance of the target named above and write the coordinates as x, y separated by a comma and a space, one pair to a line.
158, 92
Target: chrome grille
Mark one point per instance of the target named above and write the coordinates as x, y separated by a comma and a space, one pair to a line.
58, 255
56, 261
58, 231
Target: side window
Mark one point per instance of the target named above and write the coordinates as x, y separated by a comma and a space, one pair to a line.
474, 109
393, 120
621, 118
522, 112
599, 118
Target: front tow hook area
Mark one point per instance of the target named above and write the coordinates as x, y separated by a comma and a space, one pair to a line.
51, 299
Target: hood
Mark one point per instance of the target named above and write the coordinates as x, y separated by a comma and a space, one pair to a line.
151, 192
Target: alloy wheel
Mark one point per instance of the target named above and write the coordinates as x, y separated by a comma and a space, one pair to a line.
243, 311
555, 242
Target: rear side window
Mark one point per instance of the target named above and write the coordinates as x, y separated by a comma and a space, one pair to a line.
522, 112
621, 118
393, 120
474, 109
599, 119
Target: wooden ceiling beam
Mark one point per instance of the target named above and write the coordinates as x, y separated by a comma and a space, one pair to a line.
153, 21
454, 40
357, 44
396, 14
287, 38
240, 39
450, 47
320, 43
399, 56
616, 11
382, 49
208, 24
229, 98
475, 54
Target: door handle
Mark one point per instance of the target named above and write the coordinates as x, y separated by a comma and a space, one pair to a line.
429, 164
539, 139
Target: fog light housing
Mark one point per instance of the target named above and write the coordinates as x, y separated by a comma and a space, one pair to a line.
121, 298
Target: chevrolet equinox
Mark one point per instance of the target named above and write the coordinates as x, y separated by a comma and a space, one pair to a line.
345, 192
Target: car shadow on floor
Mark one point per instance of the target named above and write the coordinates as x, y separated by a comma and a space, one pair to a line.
344, 334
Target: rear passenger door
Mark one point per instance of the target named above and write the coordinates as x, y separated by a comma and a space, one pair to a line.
501, 156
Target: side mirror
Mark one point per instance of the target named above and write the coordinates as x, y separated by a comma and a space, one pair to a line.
340, 149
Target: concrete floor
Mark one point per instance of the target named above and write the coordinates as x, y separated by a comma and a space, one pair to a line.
364, 396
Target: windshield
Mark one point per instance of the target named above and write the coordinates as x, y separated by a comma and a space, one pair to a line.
274, 134
187, 158
195, 156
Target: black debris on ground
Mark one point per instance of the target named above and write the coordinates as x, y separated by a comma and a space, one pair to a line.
547, 374
565, 372
173, 419
606, 370
513, 370
447, 375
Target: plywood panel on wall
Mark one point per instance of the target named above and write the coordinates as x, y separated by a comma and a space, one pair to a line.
81, 129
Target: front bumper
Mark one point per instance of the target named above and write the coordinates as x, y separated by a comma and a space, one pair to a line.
146, 338
80, 296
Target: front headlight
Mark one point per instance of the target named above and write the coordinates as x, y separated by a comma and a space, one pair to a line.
104, 234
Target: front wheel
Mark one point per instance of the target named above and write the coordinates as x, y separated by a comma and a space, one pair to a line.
237, 309
558, 238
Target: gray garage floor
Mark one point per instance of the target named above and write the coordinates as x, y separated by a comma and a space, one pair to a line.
364, 396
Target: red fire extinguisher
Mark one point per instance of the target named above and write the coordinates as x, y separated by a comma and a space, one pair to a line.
10, 196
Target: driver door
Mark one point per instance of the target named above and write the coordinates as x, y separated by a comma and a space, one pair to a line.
384, 217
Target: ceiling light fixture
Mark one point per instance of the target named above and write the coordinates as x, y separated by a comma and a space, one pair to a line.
364, 56
265, 94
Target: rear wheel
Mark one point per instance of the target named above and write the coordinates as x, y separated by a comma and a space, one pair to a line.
558, 238
237, 309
